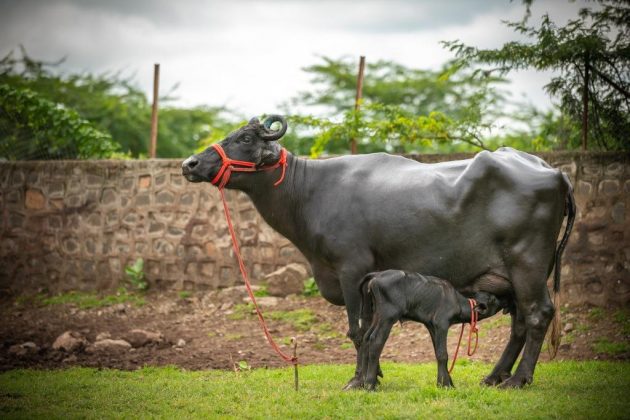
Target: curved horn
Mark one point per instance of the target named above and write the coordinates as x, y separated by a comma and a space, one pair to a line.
268, 134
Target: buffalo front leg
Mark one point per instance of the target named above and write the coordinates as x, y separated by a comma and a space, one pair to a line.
503, 368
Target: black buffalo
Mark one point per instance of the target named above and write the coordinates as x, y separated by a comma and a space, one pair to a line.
489, 223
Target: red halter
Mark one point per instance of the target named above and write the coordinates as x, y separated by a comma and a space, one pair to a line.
231, 165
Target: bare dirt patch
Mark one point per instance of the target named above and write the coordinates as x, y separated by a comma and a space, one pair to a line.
217, 330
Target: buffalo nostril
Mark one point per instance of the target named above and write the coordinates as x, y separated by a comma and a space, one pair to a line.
190, 163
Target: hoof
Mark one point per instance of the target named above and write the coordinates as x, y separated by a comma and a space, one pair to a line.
494, 380
370, 387
515, 382
355, 383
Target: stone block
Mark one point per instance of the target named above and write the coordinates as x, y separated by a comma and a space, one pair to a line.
614, 169
56, 189
94, 180
618, 213
175, 232
177, 180
165, 198
584, 188
187, 199
287, 280
127, 183
207, 269
594, 170
17, 178
56, 203
108, 197
34, 199
70, 245
140, 247
160, 180
16, 220
162, 247
13, 197
54, 222
93, 220
153, 267
156, 228
143, 199
144, 181
609, 187
74, 200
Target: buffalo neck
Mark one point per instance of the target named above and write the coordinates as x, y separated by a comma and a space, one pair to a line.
282, 206
464, 309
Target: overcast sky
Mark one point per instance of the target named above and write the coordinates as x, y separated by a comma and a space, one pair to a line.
249, 55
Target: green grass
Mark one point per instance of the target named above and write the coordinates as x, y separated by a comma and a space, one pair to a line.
241, 311
184, 294
301, 319
85, 300
561, 390
605, 346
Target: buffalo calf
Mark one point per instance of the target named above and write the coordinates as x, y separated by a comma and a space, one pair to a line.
393, 295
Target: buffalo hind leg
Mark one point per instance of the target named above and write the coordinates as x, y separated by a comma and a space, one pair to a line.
537, 309
503, 368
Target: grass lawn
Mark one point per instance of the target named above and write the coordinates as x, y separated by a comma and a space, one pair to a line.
561, 390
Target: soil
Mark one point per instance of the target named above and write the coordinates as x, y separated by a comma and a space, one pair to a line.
219, 331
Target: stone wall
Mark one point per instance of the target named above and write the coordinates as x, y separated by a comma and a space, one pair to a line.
77, 224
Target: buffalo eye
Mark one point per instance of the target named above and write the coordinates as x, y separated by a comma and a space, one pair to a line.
246, 139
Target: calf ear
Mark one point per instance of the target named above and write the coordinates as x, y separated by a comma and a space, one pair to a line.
481, 308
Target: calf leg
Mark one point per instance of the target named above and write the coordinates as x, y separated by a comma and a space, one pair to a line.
349, 279
375, 342
438, 337
503, 368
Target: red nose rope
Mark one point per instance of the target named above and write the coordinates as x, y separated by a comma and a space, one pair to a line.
222, 178
473, 329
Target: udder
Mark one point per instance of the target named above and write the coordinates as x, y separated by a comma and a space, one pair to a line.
496, 284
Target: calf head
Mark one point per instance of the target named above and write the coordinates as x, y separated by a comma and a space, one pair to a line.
254, 142
487, 304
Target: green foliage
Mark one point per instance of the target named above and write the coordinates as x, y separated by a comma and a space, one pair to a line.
112, 104
135, 275
310, 287
85, 300
561, 389
40, 129
261, 291
402, 109
184, 294
598, 40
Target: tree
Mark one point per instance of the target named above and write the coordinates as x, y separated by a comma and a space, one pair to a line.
591, 55
402, 109
112, 104
32, 127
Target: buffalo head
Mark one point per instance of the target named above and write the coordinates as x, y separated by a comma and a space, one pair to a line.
487, 304
254, 142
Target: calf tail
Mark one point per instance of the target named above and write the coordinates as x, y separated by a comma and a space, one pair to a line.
365, 305
556, 324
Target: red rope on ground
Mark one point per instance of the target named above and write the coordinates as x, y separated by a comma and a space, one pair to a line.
473, 329
224, 175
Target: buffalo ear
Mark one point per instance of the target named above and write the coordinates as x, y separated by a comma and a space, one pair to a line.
254, 121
